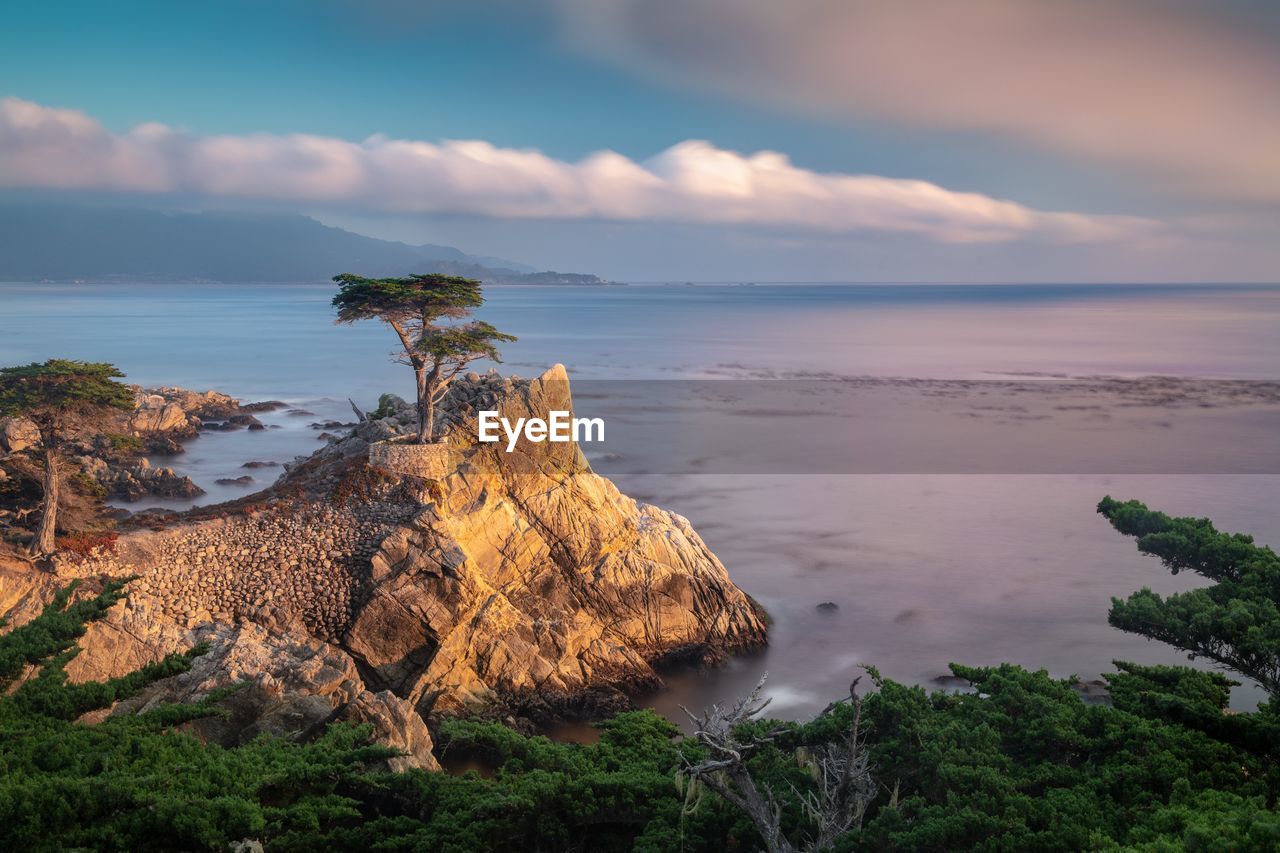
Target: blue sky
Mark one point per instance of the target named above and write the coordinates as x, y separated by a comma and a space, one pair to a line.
570, 77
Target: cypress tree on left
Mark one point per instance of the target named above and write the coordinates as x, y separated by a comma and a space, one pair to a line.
59, 396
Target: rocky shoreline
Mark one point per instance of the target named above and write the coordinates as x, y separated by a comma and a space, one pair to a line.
522, 586
114, 464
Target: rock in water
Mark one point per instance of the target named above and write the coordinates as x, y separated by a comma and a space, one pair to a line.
156, 414
522, 581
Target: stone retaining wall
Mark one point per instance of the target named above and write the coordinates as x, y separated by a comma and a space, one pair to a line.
428, 461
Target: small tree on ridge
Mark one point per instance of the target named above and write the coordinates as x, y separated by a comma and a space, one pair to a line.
59, 396
414, 306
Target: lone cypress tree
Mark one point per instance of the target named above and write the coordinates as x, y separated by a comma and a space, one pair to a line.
59, 396
415, 307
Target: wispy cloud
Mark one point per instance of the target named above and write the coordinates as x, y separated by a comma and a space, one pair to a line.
692, 182
1181, 92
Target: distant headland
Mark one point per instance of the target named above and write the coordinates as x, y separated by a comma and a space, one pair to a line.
80, 242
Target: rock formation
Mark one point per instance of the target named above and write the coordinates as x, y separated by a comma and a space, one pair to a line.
294, 685
163, 418
137, 479
522, 583
531, 576
17, 435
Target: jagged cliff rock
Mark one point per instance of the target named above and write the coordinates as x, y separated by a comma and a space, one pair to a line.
523, 582
138, 479
296, 685
17, 435
531, 576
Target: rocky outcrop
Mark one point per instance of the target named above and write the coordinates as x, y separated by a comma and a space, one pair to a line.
155, 413
166, 417
530, 574
182, 407
292, 686
112, 453
17, 435
522, 582
139, 479
163, 417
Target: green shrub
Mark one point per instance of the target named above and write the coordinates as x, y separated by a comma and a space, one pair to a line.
124, 444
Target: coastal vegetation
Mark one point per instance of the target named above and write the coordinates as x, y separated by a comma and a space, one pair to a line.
1234, 622
417, 307
1016, 762
59, 396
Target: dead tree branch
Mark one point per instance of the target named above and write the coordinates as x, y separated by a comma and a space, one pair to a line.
843, 784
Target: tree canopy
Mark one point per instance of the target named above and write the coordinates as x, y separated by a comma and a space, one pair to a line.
50, 393
1235, 621
427, 296
457, 346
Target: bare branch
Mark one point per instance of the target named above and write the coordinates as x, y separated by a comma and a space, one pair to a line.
843, 785
406, 340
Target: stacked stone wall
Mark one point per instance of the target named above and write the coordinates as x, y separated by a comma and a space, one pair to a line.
428, 461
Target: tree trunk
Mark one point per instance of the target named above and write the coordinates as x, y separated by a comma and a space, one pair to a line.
430, 385
45, 541
431, 421
424, 406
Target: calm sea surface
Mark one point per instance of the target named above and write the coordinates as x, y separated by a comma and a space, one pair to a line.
924, 569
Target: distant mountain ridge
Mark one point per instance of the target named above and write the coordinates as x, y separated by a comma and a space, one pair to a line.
75, 242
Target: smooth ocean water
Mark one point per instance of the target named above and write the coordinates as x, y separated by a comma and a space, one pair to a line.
925, 569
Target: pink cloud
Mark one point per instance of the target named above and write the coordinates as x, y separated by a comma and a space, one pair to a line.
692, 182
1165, 90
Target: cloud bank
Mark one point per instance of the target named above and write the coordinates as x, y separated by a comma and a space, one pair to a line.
692, 182
1180, 91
